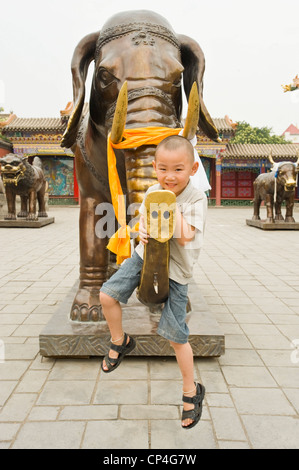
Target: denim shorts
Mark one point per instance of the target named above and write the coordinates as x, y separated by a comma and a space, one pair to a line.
172, 325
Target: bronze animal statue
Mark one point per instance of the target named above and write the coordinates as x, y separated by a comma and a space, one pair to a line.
140, 48
275, 187
28, 181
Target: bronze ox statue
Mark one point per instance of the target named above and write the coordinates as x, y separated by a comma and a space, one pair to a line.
28, 181
274, 188
140, 48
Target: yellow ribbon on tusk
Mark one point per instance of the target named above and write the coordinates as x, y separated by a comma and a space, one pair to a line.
119, 243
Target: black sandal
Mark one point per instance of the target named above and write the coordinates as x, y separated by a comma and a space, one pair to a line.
122, 350
197, 400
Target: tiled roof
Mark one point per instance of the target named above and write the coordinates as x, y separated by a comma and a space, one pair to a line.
222, 125
34, 124
281, 151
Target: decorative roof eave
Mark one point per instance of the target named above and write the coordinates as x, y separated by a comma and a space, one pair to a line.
261, 151
34, 124
7, 121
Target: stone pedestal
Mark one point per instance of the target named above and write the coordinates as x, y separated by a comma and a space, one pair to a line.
278, 225
23, 223
64, 338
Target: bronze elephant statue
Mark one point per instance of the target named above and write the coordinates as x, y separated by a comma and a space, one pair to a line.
140, 48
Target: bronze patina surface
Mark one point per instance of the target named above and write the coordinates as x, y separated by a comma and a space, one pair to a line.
274, 188
28, 181
140, 48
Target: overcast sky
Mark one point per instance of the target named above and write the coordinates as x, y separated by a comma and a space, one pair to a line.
251, 48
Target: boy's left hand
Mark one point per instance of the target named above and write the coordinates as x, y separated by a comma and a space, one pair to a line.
143, 235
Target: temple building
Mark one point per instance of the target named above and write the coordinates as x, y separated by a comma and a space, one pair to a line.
231, 168
41, 137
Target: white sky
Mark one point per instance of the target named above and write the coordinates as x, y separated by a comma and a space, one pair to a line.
251, 48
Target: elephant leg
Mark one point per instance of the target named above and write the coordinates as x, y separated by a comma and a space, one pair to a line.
289, 210
93, 265
24, 207
11, 205
41, 201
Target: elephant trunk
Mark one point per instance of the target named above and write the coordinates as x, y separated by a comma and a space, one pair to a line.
140, 172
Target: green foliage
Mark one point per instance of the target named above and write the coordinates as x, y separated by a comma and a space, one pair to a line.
246, 134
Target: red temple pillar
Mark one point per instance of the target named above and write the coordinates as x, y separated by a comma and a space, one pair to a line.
76, 188
218, 179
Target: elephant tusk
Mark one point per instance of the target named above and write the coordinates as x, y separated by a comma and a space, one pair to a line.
120, 115
193, 114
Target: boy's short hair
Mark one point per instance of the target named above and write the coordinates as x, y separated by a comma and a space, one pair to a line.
173, 142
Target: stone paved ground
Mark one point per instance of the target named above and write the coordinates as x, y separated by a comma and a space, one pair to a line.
249, 278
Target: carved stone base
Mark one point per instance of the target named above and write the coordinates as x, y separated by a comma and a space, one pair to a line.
23, 223
63, 338
278, 225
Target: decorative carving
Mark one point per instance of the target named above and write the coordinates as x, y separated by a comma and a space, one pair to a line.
143, 37
143, 29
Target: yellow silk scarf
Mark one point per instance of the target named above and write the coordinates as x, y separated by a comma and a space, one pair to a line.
119, 243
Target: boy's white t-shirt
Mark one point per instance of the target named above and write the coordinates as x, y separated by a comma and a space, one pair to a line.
192, 203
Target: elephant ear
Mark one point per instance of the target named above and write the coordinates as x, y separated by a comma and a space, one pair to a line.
193, 60
82, 57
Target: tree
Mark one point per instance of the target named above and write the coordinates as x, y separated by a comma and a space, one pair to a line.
245, 134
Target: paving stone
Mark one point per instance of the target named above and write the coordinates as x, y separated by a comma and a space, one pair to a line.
8, 431
149, 412
277, 341
227, 424
24, 351
121, 392
261, 401
233, 445
17, 407
79, 369
6, 388
286, 376
236, 357
32, 381
116, 435
166, 392
89, 412
50, 435
43, 413
248, 376
293, 396
13, 370
66, 392
170, 435
272, 432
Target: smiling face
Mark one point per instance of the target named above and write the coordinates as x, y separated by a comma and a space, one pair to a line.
174, 166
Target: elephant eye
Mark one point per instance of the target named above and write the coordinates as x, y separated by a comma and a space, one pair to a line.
105, 77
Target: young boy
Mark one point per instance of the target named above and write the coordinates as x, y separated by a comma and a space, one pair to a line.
174, 164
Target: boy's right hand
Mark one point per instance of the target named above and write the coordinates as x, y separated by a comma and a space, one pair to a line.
143, 235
